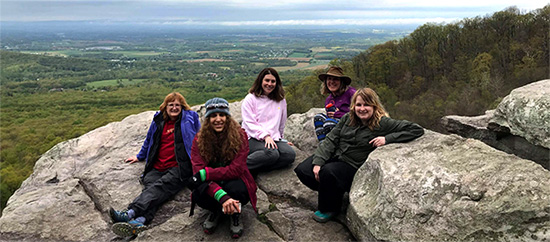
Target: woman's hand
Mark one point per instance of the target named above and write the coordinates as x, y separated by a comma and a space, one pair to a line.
330, 114
316, 169
378, 141
131, 159
270, 143
231, 206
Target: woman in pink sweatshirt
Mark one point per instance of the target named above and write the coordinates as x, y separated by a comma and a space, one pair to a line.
264, 118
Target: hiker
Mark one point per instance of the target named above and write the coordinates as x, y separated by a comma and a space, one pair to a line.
166, 152
222, 183
264, 117
331, 169
337, 85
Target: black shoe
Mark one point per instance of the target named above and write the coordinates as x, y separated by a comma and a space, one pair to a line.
235, 226
211, 222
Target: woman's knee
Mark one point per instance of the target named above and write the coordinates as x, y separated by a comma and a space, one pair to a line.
304, 168
327, 174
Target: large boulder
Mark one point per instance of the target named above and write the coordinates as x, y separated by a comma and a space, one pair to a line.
525, 112
448, 188
76, 182
520, 125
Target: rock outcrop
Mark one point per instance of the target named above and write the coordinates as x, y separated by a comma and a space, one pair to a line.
526, 113
520, 125
74, 184
438, 187
448, 188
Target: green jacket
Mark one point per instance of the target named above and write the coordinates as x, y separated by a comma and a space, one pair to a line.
351, 144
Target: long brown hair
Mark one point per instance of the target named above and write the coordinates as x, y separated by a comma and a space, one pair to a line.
370, 98
277, 94
170, 98
219, 147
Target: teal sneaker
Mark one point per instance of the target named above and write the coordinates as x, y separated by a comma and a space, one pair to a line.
119, 216
128, 229
323, 217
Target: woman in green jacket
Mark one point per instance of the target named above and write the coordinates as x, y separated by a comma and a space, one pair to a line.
331, 169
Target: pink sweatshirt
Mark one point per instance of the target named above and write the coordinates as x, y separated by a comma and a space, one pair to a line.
263, 116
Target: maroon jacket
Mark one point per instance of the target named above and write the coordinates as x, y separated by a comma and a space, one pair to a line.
235, 169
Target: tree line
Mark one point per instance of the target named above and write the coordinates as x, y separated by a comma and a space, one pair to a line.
462, 68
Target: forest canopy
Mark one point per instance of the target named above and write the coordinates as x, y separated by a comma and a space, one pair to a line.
462, 68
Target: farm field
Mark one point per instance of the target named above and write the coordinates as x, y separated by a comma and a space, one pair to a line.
114, 82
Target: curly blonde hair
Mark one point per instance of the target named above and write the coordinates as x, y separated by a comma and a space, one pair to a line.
219, 147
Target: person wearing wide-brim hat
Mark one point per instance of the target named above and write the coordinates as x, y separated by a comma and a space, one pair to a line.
337, 85
221, 182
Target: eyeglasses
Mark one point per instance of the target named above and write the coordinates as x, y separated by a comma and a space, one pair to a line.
174, 105
217, 105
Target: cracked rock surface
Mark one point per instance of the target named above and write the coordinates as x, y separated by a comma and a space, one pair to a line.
429, 189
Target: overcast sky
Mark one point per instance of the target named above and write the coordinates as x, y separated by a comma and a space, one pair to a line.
258, 12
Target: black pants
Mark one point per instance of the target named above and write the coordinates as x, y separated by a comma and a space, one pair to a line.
335, 178
159, 187
262, 159
236, 189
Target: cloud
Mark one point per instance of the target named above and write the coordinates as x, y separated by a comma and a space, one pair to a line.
316, 22
357, 12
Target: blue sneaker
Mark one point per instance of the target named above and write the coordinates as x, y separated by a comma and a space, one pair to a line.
323, 217
128, 229
119, 216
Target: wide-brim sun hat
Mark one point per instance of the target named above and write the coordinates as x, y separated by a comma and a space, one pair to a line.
336, 72
216, 105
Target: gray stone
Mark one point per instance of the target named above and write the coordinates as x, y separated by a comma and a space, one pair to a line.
526, 113
181, 227
263, 202
488, 129
471, 127
77, 181
284, 183
435, 188
57, 212
294, 223
441, 187
300, 130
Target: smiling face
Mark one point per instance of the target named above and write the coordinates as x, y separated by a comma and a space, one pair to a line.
362, 110
333, 83
173, 109
218, 121
268, 84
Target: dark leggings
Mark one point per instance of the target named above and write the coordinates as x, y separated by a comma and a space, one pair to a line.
159, 187
262, 159
236, 189
335, 178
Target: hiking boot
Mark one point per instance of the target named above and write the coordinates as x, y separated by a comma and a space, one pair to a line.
127, 229
235, 226
211, 222
323, 217
119, 216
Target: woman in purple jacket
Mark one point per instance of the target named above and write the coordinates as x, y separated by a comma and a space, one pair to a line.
166, 152
336, 84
